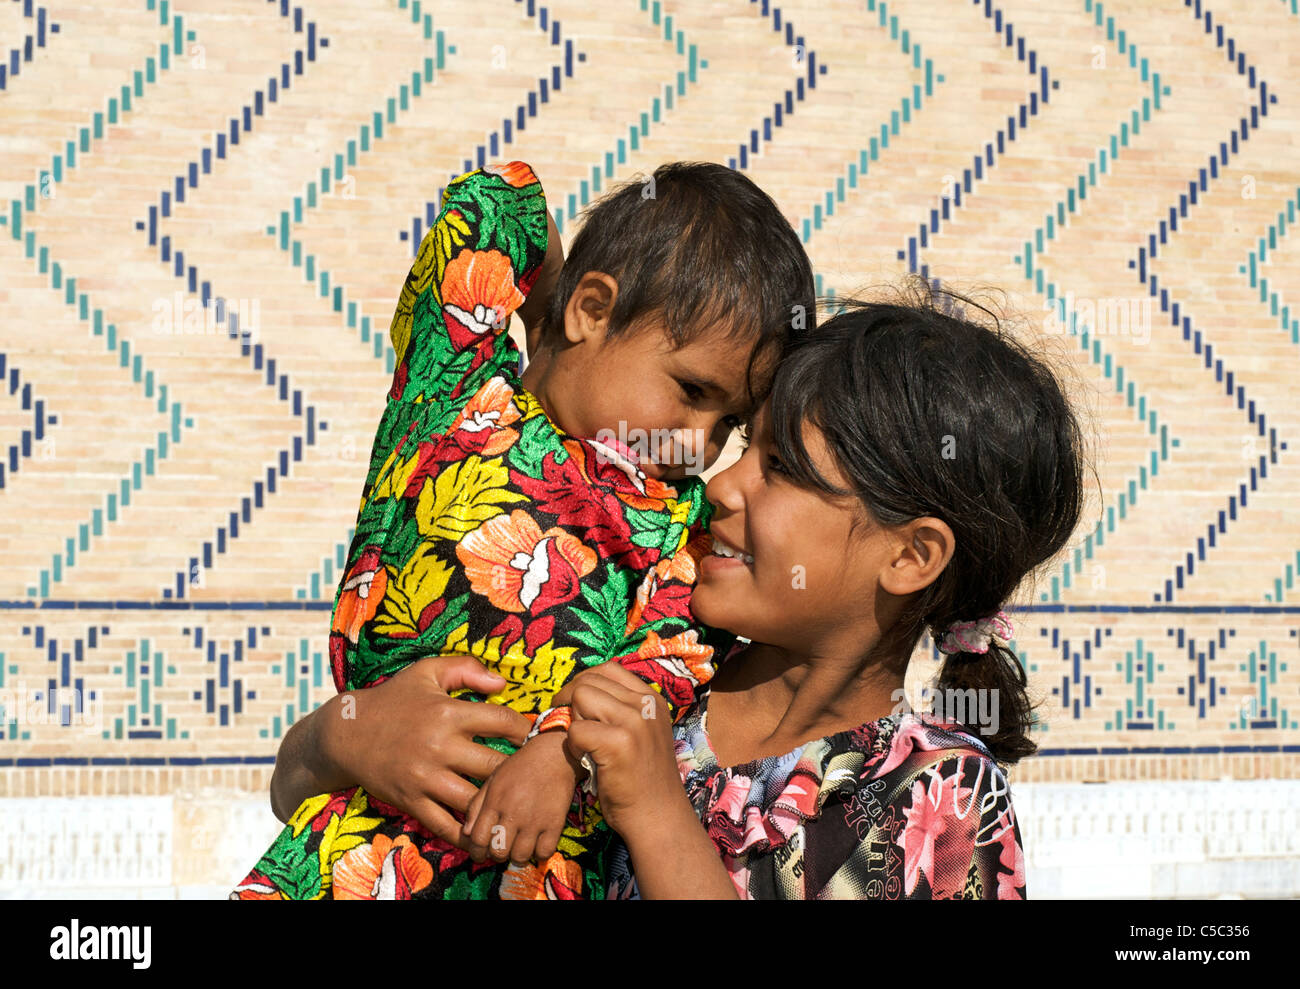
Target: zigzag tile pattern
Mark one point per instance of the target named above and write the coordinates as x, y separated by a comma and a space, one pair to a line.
206, 210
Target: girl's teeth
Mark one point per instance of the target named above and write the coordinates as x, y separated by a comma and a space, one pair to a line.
722, 550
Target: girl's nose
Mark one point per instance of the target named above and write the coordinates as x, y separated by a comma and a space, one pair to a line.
723, 488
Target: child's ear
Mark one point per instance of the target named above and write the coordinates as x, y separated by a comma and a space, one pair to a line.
590, 307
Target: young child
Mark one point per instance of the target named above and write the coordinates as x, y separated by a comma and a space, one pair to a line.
550, 521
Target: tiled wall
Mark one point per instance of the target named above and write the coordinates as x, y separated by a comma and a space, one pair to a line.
177, 488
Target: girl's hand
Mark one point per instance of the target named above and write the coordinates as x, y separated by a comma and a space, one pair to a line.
624, 725
412, 746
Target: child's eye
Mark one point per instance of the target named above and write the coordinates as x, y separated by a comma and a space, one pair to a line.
775, 465
693, 392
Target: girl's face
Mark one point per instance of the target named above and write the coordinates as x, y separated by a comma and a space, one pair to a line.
808, 576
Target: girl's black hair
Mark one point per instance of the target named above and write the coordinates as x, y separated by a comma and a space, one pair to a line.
929, 413
697, 245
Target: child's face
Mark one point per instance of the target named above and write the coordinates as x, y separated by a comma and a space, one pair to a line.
674, 409
812, 577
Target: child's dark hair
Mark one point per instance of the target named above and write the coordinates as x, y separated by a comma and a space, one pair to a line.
928, 413
697, 244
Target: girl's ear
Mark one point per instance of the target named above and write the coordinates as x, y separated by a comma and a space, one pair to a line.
923, 549
590, 307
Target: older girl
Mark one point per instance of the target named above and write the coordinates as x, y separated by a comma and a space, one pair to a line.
909, 470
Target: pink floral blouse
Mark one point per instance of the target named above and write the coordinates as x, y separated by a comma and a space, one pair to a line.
899, 808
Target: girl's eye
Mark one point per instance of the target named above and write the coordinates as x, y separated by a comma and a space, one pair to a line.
773, 464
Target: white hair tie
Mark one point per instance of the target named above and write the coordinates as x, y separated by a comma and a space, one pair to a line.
975, 636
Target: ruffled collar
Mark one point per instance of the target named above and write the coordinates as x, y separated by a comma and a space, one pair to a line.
756, 806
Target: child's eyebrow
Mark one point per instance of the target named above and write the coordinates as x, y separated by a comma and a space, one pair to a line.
708, 385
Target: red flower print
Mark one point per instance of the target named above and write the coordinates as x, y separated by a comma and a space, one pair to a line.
604, 467
484, 425
399, 380
655, 601
563, 491
516, 173
256, 887
339, 660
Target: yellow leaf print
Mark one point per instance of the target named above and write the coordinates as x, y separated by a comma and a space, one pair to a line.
340, 835
462, 497
572, 838
395, 483
531, 680
421, 582
308, 809
681, 512
450, 233
527, 405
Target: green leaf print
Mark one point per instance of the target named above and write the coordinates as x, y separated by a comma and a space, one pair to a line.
536, 440
647, 527
465, 888
607, 616
512, 220
290, 867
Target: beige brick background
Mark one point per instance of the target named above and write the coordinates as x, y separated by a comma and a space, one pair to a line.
177, 486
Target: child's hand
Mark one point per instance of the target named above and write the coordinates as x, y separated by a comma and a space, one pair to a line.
521, 809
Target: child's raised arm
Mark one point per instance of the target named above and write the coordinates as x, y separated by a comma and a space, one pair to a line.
491, 244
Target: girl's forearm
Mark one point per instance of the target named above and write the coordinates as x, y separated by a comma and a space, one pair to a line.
673, 857
303, 767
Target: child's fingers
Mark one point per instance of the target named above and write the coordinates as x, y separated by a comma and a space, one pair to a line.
548, 843
501, 839
591, 737
620, 675
523, 847
480, 839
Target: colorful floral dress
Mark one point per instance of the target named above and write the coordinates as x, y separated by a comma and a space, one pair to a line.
896, 809
485, 530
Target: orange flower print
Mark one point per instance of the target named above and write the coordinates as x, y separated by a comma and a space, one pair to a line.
515, 172
517, 567
382, 870
363, 590
674, 664
478, 296
557, 878
483, 426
